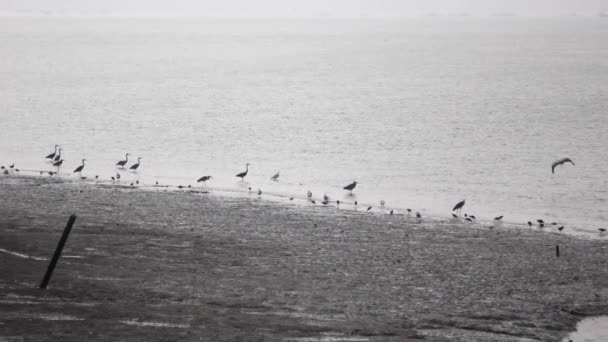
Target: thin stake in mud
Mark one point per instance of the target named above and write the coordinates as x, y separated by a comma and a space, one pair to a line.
53, 263
557, 251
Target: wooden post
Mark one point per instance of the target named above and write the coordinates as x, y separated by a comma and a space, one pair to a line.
53, 263
557, 251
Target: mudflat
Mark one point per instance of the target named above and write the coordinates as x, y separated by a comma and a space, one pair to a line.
149, 264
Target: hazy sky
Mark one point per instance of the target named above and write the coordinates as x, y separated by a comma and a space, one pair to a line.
341, 8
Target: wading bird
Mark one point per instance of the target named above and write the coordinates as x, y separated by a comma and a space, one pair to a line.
243, 174
52, 155
204, 180
58, 163
458, 206
122, 163
79, 169
135, 166
57, 155
560, 162
350, 187
275, 177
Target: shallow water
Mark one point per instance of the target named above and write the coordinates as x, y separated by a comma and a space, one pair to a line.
594, 329
423, 113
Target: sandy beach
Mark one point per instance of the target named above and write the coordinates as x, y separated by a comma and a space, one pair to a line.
178, 265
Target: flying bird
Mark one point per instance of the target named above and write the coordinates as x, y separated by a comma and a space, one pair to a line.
560, 162
458, 206
350, 186
243, 174
498, 218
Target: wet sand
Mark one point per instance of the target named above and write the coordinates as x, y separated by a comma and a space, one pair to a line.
178, 265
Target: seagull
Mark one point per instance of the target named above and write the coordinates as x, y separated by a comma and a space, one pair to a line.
275, 177
560, 162
458, 206
350, 187
498, 218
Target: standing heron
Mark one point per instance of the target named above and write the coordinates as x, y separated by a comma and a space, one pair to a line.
560, 162
57, 156
79, 169
458, 206
135, 166
350, 187
52, 155
243, 174
204, 180
275, 177
121, 163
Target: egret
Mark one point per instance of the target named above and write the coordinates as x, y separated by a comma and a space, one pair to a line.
350, 187
458, 206
52, 155
243, 174
121, 163
79, 169
560, 162
57, 156
204, 180
275, 177
135, 166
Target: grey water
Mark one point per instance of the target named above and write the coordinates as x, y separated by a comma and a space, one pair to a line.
421, 112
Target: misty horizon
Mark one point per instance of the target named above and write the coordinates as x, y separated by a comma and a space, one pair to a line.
315, 8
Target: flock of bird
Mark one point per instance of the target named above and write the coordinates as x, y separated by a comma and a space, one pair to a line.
56, 159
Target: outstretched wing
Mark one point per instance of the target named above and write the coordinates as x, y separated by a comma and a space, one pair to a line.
560, 162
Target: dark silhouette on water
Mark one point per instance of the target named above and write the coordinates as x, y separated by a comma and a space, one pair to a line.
135, 166
57, 156
275, 177
204, 180
560, 162
243, 174
52, 155
350, 187
79, 169
498, 218
530, 224
454, 216
122, 163
458, 206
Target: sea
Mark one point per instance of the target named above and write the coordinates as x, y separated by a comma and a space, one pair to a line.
421, 112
